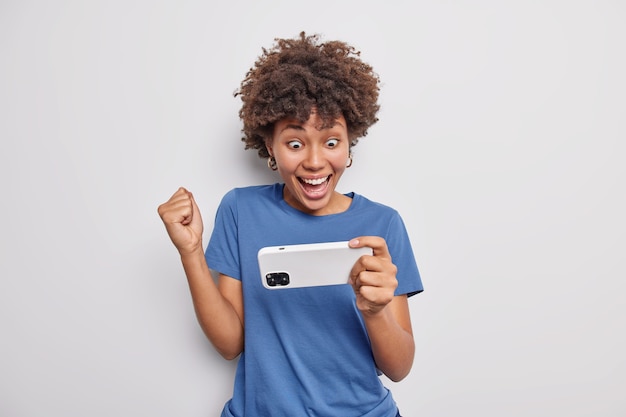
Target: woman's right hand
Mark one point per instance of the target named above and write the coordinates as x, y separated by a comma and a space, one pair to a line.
183, 221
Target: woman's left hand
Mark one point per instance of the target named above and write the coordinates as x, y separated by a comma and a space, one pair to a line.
373, 277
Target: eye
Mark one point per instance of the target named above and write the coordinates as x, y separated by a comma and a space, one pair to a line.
331, 143
294, 144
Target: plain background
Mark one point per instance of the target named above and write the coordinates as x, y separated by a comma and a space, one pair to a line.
500, 141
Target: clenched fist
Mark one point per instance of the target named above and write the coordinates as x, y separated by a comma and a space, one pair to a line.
183, 221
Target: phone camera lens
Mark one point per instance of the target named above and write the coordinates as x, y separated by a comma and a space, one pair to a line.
271, 280
277, 278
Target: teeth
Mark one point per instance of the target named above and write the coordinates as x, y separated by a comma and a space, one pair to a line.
317, 181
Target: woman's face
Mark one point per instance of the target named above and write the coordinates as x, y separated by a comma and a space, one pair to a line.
311, 160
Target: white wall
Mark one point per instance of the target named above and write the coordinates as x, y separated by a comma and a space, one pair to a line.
501, 142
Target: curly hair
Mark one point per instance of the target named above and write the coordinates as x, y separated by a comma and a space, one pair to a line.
297, 75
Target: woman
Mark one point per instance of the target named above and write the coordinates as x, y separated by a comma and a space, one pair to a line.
314, 351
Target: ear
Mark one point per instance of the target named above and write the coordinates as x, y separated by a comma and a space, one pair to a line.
268, 146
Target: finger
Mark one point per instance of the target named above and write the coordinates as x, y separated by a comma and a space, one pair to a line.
376, 295
177, 196
367, 279
180, 212
357, 269
366, 273
376, 279
194, 206
363, 265
377, 243
177, 209
180, 194
195, 211
181, 190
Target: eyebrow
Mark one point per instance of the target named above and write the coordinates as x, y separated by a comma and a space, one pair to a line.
299, 127
291, 126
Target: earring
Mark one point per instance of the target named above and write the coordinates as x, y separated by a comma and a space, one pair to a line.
349, 164
271, 163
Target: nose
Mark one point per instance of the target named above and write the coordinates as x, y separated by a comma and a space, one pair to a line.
314, 159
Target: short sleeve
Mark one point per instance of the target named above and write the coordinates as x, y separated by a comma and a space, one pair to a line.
402, 255
222, 252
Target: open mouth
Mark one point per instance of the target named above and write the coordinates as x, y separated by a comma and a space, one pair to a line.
314, 181
314, 185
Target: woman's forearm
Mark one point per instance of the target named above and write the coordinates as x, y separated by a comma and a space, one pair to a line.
392, 345
217, 317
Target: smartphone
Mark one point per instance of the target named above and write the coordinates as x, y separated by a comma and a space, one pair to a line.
308, 265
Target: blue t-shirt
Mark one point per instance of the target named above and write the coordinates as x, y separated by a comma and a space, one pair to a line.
306, 350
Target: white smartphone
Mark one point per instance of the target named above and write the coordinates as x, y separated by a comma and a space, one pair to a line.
308, 265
